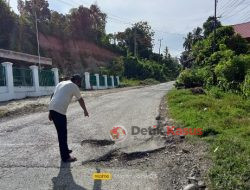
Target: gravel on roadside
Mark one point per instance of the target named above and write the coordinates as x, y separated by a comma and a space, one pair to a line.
39, 104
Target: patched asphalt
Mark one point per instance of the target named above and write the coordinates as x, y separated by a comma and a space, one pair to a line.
29, 155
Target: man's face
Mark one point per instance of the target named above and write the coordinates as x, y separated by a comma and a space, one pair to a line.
78, 83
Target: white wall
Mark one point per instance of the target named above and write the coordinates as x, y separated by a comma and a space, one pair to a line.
4, 96
10, 91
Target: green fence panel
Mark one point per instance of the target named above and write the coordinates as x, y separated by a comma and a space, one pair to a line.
83, 84
109, 81
22, 77
46, 78
2, 76
115, 81
93, 80
102, 80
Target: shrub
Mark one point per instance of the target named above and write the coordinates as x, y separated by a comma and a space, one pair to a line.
216, 92
193, 78
143, 69
231, 73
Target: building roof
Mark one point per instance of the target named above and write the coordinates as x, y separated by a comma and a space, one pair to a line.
24, 57
242, 29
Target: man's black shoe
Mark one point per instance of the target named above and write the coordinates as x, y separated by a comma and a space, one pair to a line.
70, 159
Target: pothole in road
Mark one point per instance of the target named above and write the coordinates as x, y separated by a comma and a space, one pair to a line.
97, 142
119, 155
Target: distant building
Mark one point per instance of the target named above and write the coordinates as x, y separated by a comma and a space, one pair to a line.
243, 29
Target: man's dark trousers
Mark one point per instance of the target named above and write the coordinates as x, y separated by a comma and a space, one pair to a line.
60, 122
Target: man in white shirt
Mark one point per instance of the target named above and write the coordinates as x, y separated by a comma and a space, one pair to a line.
58, 106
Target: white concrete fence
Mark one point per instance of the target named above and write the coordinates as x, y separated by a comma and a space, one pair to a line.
97, 82
10, 92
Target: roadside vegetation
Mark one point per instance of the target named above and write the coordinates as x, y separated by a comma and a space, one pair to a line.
213, 93
132, 49
225, 122
140, 62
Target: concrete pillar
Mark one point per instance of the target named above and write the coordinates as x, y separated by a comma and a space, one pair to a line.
9, 79
87, 80
118, 80
97, 81
56, 75
113, 82
35, 74
106, 81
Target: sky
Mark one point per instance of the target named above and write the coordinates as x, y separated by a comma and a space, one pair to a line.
171, 20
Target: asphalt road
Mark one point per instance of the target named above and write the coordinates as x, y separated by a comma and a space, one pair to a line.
29, 155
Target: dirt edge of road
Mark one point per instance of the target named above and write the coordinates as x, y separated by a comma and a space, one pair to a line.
181, 164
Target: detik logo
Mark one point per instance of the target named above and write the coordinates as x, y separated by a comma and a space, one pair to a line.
118, 133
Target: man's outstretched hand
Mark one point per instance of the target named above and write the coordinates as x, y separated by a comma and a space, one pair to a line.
86, 113
82, 104
50, 117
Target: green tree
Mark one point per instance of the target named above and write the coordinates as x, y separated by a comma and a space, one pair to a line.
99, 21
25, 41
59, 25
7, 25
31, 7
231, 73
143, 34
78, 18
209, 25
93, 20
186, 59
197, 35
188, 42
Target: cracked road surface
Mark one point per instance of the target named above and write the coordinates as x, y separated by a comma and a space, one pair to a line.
29, 154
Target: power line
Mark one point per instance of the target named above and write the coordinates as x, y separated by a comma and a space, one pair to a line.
227, 4
67, 3
121, 20
247, 18
234, 6
229, 16
118, 19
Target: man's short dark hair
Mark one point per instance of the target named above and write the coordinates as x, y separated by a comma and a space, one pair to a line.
76, 77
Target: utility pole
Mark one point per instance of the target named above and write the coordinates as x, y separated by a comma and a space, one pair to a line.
135, 43
160, 46
37, 37
38, 44
214, 43
159, 50
215, 23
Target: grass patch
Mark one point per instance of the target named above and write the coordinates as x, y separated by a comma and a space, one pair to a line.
134, 82
149, 81
129, 82
225, 120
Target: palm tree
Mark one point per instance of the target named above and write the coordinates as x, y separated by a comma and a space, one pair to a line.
188, 42
197, 35
99, 20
